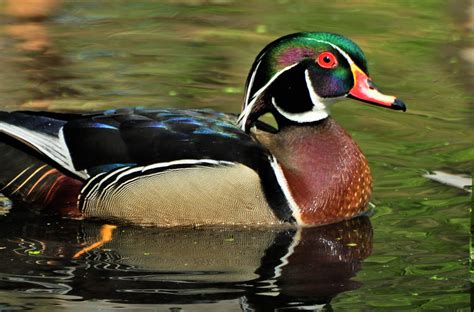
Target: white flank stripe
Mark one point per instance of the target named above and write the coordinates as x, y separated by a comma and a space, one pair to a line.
144, 169
286, 190
103, 177
123, 172
92, 180
118, 187
187, 162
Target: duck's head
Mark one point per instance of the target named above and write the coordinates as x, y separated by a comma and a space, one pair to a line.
298, 76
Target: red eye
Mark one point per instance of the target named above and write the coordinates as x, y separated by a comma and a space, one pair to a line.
327, 60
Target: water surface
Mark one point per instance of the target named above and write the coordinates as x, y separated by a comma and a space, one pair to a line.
412, 254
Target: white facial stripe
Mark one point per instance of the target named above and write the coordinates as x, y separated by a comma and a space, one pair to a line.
315, 99
252, 78
260, 91
346, 56
249, 87
312, 115
242, 120
319, 110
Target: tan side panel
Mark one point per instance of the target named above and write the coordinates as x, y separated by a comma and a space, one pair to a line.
204, 195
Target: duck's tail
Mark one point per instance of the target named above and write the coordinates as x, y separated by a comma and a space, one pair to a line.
26, 175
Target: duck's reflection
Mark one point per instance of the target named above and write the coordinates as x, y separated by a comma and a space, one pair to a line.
262, 269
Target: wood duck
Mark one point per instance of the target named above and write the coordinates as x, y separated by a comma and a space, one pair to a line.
195, 167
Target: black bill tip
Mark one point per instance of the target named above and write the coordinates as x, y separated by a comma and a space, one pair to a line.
399, 105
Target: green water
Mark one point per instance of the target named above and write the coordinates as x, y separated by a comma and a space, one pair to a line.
84, 55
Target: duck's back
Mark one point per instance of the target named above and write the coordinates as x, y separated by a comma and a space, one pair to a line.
163, 167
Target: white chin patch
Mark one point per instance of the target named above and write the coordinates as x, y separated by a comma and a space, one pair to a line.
318, 112
309, 116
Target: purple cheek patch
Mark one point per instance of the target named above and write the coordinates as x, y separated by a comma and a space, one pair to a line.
330, 86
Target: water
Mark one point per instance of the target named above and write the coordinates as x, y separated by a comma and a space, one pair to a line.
411, 254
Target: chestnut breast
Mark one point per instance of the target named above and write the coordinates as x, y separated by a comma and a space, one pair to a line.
327, 174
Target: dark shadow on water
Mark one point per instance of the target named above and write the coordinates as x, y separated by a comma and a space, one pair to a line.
260, 268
